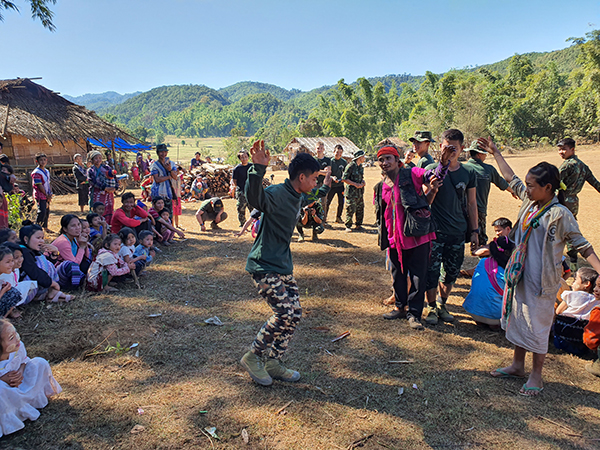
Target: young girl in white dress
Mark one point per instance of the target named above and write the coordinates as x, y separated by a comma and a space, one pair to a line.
25, 384
529, 312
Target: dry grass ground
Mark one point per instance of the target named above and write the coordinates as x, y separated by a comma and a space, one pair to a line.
187, 375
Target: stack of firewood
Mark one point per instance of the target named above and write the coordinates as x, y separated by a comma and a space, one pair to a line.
217, 176
63, 184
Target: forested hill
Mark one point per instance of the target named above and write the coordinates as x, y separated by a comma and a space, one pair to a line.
522, 100
565, 60
159, 102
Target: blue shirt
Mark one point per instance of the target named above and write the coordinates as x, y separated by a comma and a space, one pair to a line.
141, 250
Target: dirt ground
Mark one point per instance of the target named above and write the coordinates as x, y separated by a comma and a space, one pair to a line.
184, 375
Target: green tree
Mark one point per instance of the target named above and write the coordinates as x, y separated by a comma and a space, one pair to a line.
159, 137
40, 10
310, 128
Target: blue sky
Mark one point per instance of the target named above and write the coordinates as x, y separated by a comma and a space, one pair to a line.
136, 45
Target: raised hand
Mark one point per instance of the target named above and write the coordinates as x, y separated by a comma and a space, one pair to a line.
260, 155
448, 152
488, 145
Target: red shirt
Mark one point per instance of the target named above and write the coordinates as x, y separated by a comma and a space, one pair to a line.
120, 219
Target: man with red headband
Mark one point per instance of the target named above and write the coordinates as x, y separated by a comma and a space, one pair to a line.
407, 227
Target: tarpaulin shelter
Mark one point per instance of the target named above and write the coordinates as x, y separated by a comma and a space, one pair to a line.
120, 145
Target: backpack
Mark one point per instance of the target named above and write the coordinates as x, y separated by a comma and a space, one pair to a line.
418, 220
591, 332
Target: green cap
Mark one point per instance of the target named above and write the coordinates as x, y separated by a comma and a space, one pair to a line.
422, 136
358, 154
475, 148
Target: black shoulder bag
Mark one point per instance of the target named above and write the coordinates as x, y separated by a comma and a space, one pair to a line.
418, 220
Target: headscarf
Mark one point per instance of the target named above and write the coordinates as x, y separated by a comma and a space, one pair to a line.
388, 150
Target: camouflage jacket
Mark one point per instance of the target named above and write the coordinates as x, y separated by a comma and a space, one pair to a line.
354, 172
574, 173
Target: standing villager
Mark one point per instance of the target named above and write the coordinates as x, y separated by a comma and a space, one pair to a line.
573, 173
421, 141
455, 212
81, 182
533, 273
338, 165
163, 171
102, 184
42, 190
270, 261
486, 175
406, 227
354, 178
238, 184
323, 161
7, 180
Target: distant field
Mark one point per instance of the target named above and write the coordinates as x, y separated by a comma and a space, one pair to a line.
212, 147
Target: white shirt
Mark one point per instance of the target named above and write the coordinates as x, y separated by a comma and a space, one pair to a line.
579, 304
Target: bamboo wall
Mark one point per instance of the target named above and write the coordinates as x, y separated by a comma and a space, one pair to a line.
23, 151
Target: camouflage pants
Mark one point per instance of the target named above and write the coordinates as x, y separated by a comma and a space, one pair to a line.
447, 256
572, 253
241, 205
481, 223
354, 205
281, 293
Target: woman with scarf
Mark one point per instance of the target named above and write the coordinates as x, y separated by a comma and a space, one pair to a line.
102, 184
74, 257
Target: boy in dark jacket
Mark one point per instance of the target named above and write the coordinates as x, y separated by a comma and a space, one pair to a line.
270, 261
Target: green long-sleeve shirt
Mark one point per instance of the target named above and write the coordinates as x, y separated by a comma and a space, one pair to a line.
280, 205
486, 175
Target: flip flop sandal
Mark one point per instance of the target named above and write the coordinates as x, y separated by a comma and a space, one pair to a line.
503, 374
530, 391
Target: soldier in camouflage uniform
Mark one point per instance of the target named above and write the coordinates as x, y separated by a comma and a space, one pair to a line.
573, 174
355, 188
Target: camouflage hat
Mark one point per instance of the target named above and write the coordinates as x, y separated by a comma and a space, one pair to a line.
422, 136
358, 154
475, 148
162, 148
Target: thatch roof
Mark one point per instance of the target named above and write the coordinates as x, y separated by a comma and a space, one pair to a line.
399, 143
310, 143
30, 110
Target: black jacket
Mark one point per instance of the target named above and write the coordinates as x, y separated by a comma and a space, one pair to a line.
31, 269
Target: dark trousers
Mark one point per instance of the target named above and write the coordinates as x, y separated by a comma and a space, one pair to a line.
335, 190
414, 265
43, 213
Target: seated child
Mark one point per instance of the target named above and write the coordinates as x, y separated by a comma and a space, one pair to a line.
8, 235
108, 264
591, 338
573, 313
502, 227
145, 247
25, 384
254, 220
27, 288
9, 296
167, 235
484, 301
98, 228
128, 249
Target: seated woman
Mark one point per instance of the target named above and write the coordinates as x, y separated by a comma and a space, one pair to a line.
74, 258
484, 302
36, 265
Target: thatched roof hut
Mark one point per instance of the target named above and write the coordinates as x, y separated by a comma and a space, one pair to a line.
309, 144
34, 119
396, 141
